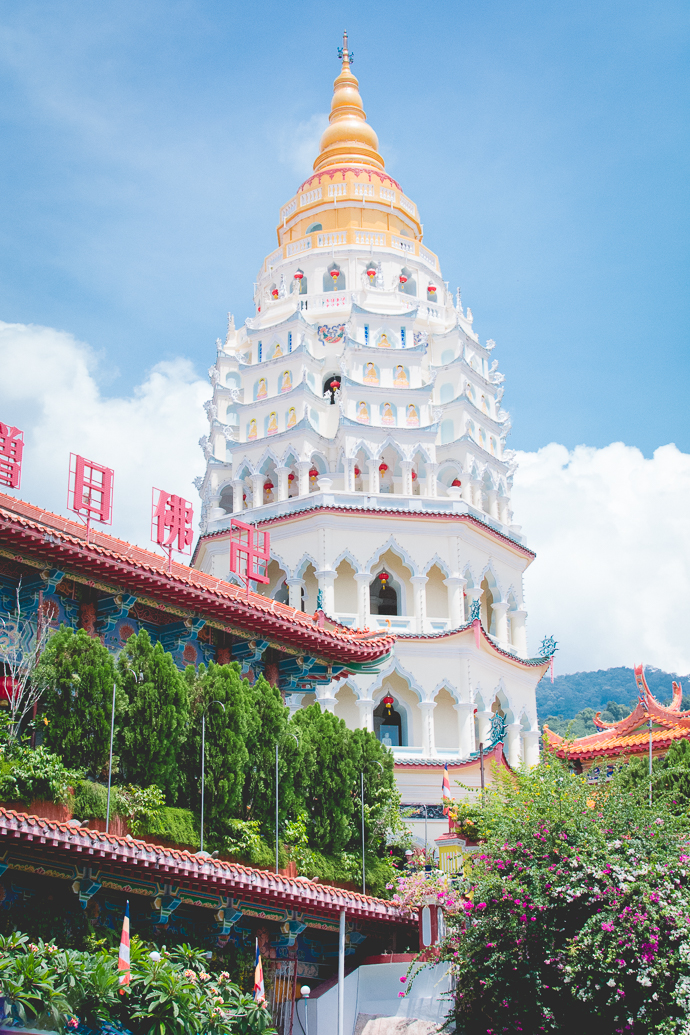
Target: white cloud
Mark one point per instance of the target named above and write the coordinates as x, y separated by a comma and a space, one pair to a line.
49, 389
612, 576
299, 144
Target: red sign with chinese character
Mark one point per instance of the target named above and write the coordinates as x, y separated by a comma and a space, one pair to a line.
11, 449
90, 492
171, 521
250, 552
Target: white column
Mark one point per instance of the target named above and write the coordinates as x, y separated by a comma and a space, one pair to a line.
295, 587
513, 746
366, 714
326, 698
431, 488
283, 485
428, 731
465, 718
373, 466
363, 580
303, 472
484, 728
500, 609
349, 474
503, 510
237, 494
477, 494
473, 593
492, 503
326, 580
419, 582
517, 631
294, 702
257, 490
530, 747
406, 467
456, 604
467, 489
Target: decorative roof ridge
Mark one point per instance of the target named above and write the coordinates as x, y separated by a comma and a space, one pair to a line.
207, 865
456, 763
528, 662
358, 170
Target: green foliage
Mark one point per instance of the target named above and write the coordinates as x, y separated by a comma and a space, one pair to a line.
140, 805
80, 673
42, 984
267, 724
670, 776
36, 774
177, 825
580, 910
243, 837
91, 800
570, 694
157, 714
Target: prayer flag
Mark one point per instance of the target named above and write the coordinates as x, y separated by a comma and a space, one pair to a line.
123, 957
446, 790
259, 993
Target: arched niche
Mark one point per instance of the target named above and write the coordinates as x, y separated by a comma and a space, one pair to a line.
345, 589
346, 707
445, 721
436, 594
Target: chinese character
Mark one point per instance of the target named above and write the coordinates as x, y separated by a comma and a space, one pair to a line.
11, 449
249, 552
171, 519
90, 492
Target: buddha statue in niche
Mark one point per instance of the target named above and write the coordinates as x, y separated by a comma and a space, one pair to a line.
272, 423
370, 375
401, 379
262, 388
384, 342
286, 381
251, 432
292, 417
362, 413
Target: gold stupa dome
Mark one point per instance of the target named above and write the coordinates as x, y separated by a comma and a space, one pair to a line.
349, 139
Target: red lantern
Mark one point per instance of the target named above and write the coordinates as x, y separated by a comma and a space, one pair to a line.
291, 477
334, 385
314, 472
357, 472
334, 274
298, 276
388, 703
274, 292
268, 486
414, 476
403, 278
456, 482
431, 289
371, 272
383, 468
383, 577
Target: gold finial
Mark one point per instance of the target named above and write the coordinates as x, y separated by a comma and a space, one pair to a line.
349, 139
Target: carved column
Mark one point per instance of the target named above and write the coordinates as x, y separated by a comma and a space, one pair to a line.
295, 587
455, 585
492, 503
428, 730
419, 583
283, 485
363, 580
500, 610
257, 490
326, 580
474, 593
373, 466
518, 633
406, 467
237, 495
530, 747
303, 472
513, 746
465, 720
467, 491
349, 474
366, 713
431, 488
294, 702
326, 699
484, 728
477, 495
504, 510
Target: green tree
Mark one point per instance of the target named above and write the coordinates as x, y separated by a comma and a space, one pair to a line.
267, 725
79, 673
157, 715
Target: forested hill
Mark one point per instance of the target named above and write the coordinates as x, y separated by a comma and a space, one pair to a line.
568, 695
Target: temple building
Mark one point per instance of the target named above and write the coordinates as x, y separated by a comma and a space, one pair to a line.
651, 726
358, 418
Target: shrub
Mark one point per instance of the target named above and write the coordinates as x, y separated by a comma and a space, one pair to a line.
177, 825
36, 774
91, 800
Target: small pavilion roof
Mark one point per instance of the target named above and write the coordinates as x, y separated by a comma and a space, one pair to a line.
32, 535
629, 736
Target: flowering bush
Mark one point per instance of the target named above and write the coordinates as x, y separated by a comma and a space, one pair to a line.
426, 888
579, 913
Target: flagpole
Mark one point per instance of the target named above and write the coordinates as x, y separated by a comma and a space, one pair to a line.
110, 765
364, 872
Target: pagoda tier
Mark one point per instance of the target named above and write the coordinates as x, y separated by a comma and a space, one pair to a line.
357, 416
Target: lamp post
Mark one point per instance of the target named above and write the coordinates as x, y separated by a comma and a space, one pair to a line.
306, 992
277, 796
110, 764
203, 759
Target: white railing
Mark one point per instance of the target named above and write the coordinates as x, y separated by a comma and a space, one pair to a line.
408, 205
404, 246
274, 259
377, 240
298, 246
329, 301
336, 189
328, 240
386, 194
311, 195
427, 257
289, 209
364, 190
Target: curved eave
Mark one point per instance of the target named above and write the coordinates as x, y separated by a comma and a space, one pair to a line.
466, 631
124, 566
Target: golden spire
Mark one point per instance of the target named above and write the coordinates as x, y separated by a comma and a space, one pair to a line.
349, 139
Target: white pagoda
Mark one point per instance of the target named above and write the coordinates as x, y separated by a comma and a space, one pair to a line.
357, 417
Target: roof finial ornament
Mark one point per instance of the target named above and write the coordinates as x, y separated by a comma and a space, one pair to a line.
346, 56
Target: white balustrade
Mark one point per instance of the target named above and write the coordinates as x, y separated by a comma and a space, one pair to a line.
296, 247
407, 205
427, 257
328, 240
387, 194
310, 196
335, 190
289, 209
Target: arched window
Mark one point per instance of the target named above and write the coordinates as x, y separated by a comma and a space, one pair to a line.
383, 597
331, 385
334, 278
301, 279
447, 392
388, 725
314, 228
447, 431
407, 284
226, 499
447, 356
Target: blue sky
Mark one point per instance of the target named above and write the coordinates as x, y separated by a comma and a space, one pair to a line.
147, 147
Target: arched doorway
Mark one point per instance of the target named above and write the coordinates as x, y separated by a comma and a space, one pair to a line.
383, 596
388, 725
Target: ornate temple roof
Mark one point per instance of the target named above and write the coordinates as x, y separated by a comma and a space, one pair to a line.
40, 538
629, 736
